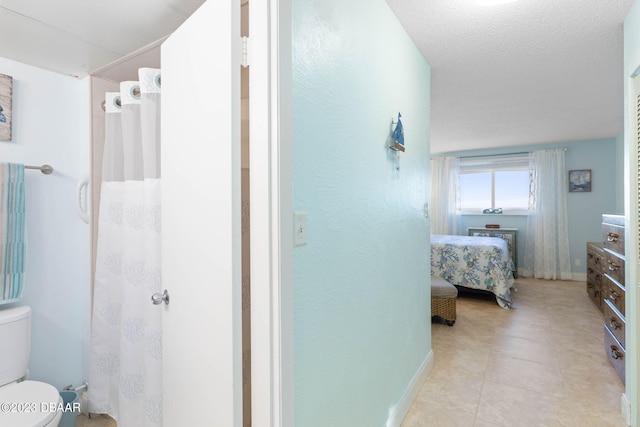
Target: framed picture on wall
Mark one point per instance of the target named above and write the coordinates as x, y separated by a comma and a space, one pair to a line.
6, 88
580, 181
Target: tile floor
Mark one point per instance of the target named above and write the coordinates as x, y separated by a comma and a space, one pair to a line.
96, 421
540, 364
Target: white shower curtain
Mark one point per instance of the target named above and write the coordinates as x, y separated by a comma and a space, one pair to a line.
125, 378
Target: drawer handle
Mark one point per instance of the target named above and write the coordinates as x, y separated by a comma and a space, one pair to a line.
613, 325
612, 266
615, 352
613, 295
589, 270
612, 237
589, 256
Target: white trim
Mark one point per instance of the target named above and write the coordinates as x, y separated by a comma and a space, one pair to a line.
144, 49
575, 277
271, 169
508, 212
632, 267
579, 277
283, 103
625, 407
401, 410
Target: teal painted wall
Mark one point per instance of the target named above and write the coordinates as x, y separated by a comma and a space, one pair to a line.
585, 210
361, 294
631, 64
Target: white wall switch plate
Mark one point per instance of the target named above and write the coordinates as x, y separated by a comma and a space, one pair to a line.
299, 228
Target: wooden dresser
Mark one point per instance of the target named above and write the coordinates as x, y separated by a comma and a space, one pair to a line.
595, 273
613, 291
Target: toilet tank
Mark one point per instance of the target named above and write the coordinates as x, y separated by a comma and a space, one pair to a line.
15, 343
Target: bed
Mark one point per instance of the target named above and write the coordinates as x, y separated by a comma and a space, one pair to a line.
474, 262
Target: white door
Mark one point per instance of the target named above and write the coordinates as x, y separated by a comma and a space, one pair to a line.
201, 258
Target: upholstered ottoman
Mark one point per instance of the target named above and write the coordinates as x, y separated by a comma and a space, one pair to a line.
443, 300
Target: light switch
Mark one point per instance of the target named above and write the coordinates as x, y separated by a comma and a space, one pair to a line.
299, 228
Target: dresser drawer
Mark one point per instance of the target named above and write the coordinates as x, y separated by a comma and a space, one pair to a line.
613, 237
594, 287
614, 267
615, 352
613, 293
592, 279
614, 322
595, 263
595, 254
598, 260
595, 294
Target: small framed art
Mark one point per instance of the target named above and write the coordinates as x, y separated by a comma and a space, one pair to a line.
580, 181
6, 88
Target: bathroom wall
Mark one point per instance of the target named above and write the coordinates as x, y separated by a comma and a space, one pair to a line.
50, 125
604, 158
361, 283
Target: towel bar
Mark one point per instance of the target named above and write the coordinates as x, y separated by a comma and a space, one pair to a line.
45, 169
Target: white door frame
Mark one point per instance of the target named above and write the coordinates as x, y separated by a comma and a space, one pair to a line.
630, 407
271, 170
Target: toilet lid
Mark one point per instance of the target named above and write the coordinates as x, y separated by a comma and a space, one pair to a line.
28, 404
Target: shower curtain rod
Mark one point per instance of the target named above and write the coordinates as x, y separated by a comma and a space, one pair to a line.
45, 169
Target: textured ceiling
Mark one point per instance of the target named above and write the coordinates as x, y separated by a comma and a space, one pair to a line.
529, 72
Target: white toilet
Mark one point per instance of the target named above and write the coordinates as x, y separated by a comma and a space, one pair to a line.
25, 403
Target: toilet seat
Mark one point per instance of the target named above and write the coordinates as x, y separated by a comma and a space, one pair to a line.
30, 395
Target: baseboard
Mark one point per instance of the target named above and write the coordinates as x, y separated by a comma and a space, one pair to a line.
575, 277
397, 413
625, 407
579, 277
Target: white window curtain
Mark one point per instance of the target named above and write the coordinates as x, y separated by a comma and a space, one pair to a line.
126, 341
445, 195
547, 239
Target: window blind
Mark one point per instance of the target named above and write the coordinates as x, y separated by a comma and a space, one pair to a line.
504, 162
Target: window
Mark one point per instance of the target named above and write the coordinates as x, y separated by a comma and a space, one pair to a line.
495, 182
